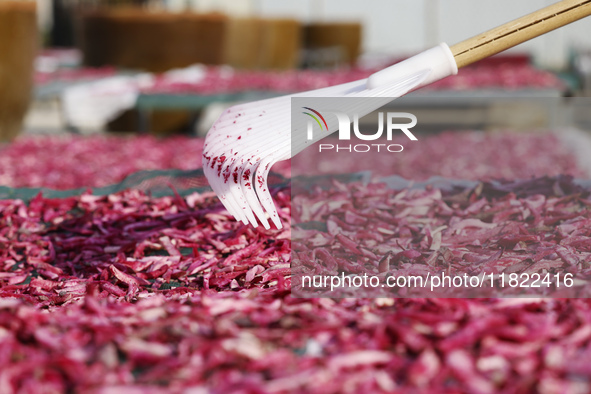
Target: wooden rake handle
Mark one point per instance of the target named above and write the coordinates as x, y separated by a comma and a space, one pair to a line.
520, 30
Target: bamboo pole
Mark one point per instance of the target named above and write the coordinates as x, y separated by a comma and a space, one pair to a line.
520, 30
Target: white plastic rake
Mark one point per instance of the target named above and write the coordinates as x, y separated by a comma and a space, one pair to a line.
245, 142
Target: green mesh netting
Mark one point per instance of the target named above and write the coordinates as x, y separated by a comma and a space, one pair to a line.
157, 183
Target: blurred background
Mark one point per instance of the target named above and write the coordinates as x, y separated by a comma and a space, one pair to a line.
170, 67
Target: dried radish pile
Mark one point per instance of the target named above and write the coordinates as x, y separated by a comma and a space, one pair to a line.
129, 243
125, 291
505, 76
65, 162
529, 228
456, 155
68, 162
501, 72
222, 80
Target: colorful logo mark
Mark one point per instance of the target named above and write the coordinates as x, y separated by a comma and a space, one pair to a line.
315, 118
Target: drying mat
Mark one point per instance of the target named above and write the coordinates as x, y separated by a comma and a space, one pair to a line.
157, 183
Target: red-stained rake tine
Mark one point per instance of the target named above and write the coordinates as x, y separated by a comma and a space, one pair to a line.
248, 139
